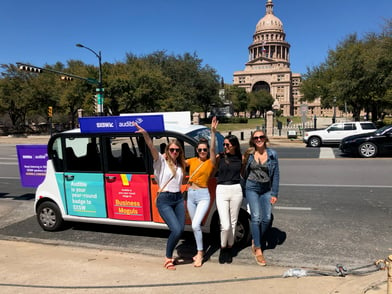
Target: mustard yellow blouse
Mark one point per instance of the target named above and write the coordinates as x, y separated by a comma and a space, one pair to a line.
202, 175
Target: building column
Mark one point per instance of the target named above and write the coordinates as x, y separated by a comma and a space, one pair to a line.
270, 123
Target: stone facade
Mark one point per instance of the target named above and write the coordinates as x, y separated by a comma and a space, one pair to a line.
268, 68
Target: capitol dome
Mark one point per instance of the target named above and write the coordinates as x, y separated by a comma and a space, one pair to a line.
269, 44
269, 22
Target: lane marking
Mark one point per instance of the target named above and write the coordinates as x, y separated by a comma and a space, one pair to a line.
9, 163
293, 208
326, 152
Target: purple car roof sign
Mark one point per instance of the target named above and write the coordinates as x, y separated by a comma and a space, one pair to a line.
121, 124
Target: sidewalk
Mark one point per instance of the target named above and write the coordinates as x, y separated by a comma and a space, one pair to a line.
51, 268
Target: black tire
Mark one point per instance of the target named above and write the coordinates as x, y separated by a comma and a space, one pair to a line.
215, 231
367, 150
242, 232
49, 216
314, 142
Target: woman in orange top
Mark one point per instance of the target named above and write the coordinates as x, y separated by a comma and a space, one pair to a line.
200, 171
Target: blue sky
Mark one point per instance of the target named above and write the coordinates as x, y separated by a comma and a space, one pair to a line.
219, 31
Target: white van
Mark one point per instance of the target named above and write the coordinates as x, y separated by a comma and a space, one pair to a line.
107, 178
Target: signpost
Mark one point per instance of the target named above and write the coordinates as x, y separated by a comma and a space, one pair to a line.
304, 111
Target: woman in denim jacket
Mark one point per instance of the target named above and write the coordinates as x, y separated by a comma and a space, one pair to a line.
261, 170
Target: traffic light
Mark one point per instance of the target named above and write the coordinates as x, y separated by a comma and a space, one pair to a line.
50, 111
66, 78
30, 68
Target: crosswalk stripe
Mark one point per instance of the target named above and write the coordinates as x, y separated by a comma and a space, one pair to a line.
326, 152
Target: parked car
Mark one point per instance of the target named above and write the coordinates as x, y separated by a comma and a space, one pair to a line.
107, 178
336, 132
369, 145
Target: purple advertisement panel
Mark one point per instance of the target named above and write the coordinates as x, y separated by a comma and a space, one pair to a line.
121, 124
32, 164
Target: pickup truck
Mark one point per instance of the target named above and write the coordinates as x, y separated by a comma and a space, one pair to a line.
336, 132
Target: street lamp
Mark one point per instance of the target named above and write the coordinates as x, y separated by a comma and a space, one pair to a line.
334, 110
99, 89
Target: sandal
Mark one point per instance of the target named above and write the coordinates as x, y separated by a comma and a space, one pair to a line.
169, 264
197, 261
253, 249
260, 260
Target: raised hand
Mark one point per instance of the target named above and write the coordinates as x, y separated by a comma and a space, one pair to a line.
214, 124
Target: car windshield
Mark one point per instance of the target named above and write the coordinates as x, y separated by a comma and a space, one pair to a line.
206, 133
381, 130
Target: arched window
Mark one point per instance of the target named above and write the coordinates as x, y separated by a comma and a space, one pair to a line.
261, 86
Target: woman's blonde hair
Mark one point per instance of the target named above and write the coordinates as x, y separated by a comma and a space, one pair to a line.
180, 158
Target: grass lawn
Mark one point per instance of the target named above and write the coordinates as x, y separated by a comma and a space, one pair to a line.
253, 123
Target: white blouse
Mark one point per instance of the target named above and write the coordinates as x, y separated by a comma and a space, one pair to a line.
163, 173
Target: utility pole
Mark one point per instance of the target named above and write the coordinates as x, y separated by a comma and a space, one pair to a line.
99, 90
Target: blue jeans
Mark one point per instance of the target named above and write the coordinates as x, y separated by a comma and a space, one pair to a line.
198, 203
172, 209
259, 199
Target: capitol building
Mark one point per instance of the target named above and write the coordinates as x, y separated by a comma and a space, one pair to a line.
268, 68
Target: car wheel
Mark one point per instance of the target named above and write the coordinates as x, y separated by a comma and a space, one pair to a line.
242, 232
215, 230
49, 216
314, 142
367, 150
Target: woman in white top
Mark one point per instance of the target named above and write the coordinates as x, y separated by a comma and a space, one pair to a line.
169, 170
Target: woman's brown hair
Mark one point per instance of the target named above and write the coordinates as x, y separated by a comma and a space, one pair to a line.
251, 141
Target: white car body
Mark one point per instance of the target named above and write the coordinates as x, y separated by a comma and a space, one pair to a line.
336, 132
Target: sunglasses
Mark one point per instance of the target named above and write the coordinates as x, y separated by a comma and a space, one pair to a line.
226, 145
172, 150
202, 150
259, 137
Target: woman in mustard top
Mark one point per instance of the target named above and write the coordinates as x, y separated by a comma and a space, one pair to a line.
200, 171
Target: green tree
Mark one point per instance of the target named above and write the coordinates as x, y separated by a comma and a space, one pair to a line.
206, 84
155, 82
357, 73
23, 93
260, 101
238, 97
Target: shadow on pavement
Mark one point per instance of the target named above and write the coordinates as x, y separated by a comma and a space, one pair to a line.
27, 196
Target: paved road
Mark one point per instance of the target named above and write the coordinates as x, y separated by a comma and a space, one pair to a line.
326, 208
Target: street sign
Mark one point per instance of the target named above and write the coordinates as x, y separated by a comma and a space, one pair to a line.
304, 109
